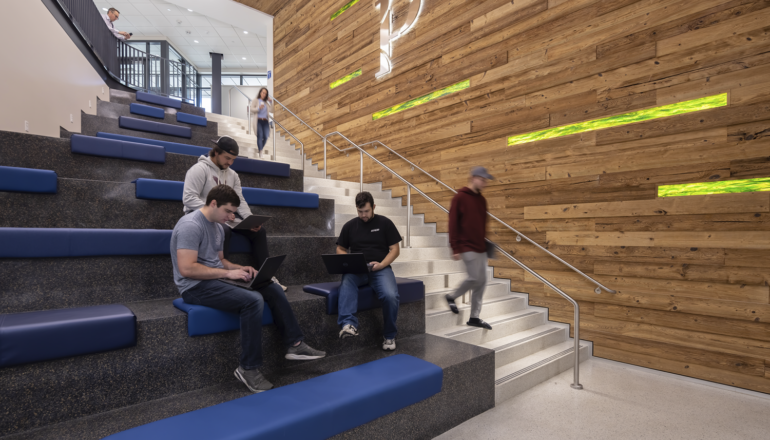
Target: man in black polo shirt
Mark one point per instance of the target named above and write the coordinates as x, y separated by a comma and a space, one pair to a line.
377, 238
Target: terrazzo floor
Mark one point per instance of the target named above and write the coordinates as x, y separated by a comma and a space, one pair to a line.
623, 402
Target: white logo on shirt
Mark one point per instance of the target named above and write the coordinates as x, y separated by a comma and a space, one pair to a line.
375, 230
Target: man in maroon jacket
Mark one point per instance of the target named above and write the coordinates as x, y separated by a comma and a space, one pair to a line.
467, 231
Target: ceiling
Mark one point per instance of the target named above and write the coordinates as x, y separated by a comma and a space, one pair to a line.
194, 35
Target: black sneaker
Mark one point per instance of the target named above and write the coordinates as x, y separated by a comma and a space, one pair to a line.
476, 322
253, 379
304, 352
452, 304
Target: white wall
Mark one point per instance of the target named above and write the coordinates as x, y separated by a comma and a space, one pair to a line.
237, 108
45, 78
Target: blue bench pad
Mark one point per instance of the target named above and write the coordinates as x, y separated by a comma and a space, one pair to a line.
154, 127
146, 110
408, 291
317, 408
29, 180
160, 100
191, 119
153, 189
120, 149
53, 334
74, 242
202, 320
240, 165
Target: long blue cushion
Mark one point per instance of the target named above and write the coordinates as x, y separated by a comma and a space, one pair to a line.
53, 334
66, 242
191, 119
95, 146
28, 180
241, 164
153, 189
146, 110
317, 408
408, 291
202, 320
154, 127
160, 100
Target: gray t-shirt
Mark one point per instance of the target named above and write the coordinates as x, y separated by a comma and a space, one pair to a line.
195, 232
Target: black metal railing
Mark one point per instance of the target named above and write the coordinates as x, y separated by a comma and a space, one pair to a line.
130, 66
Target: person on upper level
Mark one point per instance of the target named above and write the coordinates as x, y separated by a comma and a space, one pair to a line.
110, 17
260, 120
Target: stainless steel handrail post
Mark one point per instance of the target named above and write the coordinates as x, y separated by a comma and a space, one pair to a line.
408, 216
275, 135
302, 145
362, 171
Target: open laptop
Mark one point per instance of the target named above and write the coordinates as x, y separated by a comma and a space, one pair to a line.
345, 263
264, 276
252, 221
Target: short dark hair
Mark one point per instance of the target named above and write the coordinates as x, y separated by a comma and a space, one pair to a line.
223, 194
216, 151
363, 198
113, 10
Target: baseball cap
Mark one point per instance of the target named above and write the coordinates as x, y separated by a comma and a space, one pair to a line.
227, 144
481, 172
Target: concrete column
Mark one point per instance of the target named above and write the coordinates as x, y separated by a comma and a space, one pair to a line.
216, 83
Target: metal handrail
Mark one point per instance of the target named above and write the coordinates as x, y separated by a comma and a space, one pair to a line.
248, 109
302, 145
306, 125
519, 235
576, 382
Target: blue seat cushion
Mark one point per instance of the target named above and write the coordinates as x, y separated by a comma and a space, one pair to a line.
160, 100
28, 180
408, 291
153, 189
66, 242
317, 408
191, 119
96, 146
154, 127
53, 334
171, 147
252, 166
146, 110
202, 320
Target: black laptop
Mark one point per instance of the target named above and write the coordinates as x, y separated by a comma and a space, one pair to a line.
264, 276
345, 263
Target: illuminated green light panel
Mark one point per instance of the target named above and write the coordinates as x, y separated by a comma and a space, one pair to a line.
344, 8
422, 99
345, 79
626, 118
723, 187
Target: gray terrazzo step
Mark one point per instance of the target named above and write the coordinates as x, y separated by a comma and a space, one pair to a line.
502, 325
512, 348
31, 284
440, 282
495, 289
324, 191
166, 362
342, 184
127, 98
408, 269
441, 318
113, 205
43, 152
379, 203
91, 124
465, 394
115, 110
398, 220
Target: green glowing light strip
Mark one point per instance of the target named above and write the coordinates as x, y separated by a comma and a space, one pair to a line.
345, 79
344, 8
723, 187
626, 118
422, 99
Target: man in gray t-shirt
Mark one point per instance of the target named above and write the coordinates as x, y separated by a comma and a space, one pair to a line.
199, 264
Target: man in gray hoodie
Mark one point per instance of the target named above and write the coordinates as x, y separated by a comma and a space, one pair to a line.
213, 170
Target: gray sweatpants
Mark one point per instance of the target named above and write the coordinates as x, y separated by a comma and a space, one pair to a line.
476, 265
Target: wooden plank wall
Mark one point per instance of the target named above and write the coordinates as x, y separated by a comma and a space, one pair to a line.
691, 273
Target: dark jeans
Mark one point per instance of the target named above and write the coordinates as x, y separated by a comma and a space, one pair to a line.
263, 131
249, 304
383, 282
258, 244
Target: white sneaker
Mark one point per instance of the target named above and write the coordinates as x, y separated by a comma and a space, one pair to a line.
260, 154
348, 331
275, 280
389, 344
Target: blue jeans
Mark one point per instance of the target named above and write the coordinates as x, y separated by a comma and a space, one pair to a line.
263, 131
383, 282
249, 304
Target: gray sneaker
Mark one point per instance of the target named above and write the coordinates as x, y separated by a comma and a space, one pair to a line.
304, 352
253, 379
347, 331
388, 344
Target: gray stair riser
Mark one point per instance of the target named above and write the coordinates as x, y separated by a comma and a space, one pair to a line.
399, 221
350, 209
538, 375
479, 336
514, 353
436, 300
91, 124
439, 282
379, 204
421, 231
408, 269
435, 322
417, 254
115, 110
126, 98
166, 362
342, 184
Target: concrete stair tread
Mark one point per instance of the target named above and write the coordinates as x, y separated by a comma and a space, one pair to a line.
522, 336
510, 371
495, 320
461, 307
490, 284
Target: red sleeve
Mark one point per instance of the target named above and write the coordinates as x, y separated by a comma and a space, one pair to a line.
454, 223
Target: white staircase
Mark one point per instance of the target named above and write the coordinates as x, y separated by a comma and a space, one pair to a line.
529, 349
